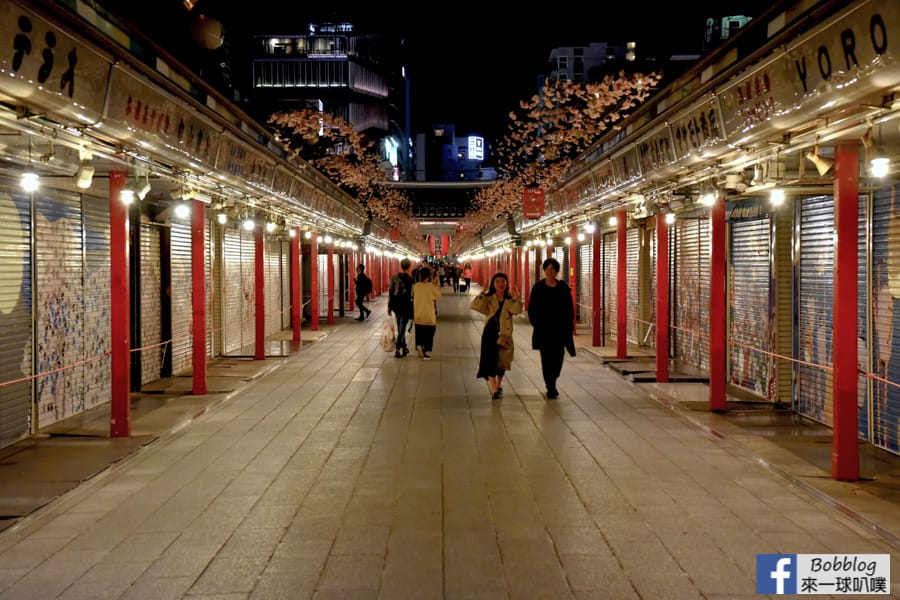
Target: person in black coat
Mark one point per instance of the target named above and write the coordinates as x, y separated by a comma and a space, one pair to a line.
552, 314
363, 289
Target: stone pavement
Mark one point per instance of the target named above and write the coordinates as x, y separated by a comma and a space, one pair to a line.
342, 472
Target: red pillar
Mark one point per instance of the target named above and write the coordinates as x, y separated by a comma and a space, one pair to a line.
844, 448
314, 281
198, 299
573, 269
296, 296
597, 289
662, 299
259, 275
120, 321
717, 308
329, 270
622, 285
351, 267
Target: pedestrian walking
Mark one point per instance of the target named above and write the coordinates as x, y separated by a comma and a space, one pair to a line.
498, 304
467, 276
363, 288
400, 305
552, 314
425, 296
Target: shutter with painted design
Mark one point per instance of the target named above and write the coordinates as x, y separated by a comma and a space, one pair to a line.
814, 326
885, 343
97, 302
690, 329
59, 315
151, 307
15, 316
750, 326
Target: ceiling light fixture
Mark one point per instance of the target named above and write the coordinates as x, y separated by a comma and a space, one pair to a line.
823, 164
878, 163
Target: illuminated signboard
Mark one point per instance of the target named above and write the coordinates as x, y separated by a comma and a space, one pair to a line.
476, 148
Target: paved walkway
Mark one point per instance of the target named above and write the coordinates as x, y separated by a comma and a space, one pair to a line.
343, 472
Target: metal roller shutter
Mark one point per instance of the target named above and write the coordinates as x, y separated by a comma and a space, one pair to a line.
285, 285
233, 317
151, 307
15, 316
648, 287
690, 329
885, 418
97, 326
181, 291
585, 294
864, 327
209, 285
610, 277
816, 287
273, 299
750, 323
635, 324
60, 306
248, 288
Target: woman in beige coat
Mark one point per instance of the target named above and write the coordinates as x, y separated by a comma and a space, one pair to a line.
499, 303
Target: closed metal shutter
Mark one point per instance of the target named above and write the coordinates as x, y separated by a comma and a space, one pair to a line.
97, 302
750, 323
635, 324
561, 254
648, 288
60, 306
15, 316
585, 288
690, 329
864, 327
273, 299
237, 312
814, 327
285, 284
610, 277
151, 307
323, 284
885, 418
181, 292
209, 285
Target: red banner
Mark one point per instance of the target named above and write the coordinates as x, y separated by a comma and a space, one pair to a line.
533, 203
394, 234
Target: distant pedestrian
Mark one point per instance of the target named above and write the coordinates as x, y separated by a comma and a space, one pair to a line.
453, 270
467, 276
425, 296
400, 305
362, 289
499, 303
552, 313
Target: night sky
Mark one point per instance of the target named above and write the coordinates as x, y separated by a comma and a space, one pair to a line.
466, 67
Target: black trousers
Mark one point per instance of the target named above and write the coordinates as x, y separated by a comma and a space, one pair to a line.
551, 365
425, 336
362, 308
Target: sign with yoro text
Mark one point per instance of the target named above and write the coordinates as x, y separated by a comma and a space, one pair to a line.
829, 574
533, 202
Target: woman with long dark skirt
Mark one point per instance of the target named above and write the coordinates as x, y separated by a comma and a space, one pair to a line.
498, 304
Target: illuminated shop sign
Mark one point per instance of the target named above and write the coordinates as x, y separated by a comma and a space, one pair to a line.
476, 147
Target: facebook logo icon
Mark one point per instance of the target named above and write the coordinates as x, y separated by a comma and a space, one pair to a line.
776, 573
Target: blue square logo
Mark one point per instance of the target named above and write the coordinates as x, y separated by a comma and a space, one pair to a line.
776, 573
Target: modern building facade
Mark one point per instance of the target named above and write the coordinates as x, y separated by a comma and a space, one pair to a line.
336, 69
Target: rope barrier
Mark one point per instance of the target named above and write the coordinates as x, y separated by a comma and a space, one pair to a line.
54, 371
